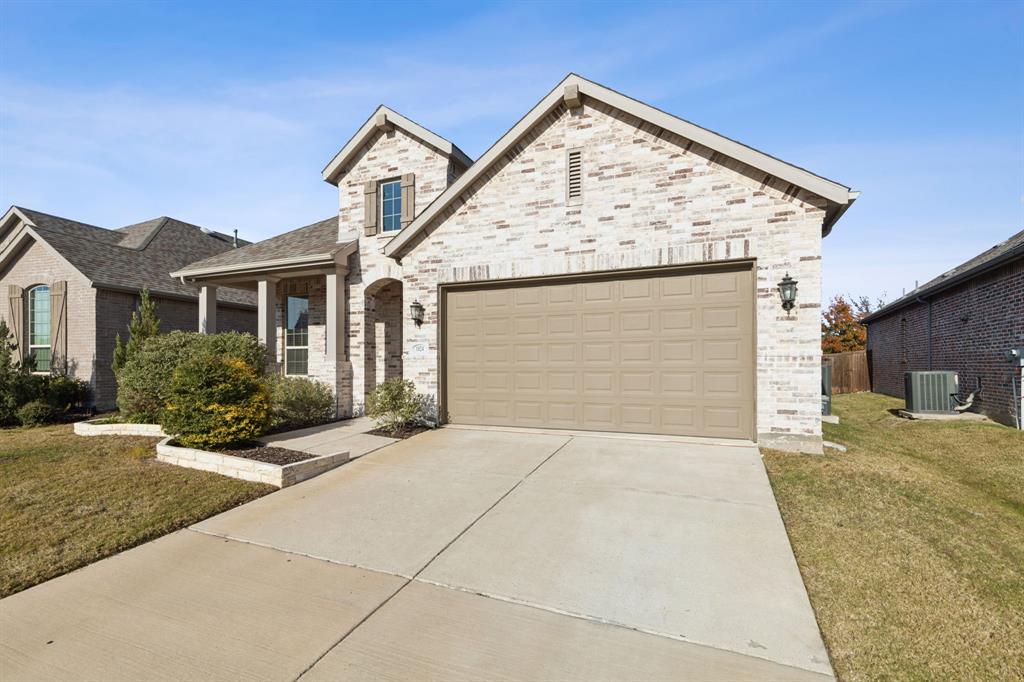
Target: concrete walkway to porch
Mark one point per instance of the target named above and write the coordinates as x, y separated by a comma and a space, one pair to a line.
326, 439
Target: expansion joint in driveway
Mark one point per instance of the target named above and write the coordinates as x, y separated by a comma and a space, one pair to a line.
433, 558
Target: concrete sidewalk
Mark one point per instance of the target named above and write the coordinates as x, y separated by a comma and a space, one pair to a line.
457, 554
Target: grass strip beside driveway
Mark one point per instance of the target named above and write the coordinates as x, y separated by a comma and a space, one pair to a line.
67, 500
911, 544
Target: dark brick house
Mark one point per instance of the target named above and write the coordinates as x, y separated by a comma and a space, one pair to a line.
964, 320
69, 288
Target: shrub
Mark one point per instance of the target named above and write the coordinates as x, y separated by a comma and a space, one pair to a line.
214, 400
35, 412
395, 404
143, 383
296, 402
144, 324
64, 393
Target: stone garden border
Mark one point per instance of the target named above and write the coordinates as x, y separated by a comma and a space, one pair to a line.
102, 427
248, 469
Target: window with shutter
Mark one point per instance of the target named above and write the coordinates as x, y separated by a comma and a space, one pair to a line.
391, 206
574, 177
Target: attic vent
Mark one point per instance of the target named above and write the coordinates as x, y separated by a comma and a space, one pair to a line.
574, 177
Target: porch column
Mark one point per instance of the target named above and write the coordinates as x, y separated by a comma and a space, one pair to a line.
208, 310
266, 317
337, 356
336, 315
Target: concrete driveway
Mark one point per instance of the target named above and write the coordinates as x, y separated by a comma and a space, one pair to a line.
457, 554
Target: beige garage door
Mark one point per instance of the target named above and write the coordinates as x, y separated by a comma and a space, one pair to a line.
669, 354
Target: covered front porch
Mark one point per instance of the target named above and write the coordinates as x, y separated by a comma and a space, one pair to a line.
316, 321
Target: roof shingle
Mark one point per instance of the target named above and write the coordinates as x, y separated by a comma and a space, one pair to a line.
136, 256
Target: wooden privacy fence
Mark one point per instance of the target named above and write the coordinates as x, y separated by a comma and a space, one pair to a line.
849, 371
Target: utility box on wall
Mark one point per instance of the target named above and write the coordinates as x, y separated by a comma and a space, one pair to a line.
930, 391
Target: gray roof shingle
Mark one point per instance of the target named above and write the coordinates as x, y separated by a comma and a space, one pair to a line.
1014, 246
136, 256
310, 240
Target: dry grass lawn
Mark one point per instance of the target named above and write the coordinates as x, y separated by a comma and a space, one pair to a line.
67, 500
911, 543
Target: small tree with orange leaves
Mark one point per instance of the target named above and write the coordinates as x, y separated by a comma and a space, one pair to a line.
841, 329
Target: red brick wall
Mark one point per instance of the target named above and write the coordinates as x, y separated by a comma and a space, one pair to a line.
973, 324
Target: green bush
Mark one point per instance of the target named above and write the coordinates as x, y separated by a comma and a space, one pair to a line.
214, 400
35, 412
143, 383
64, 393
395, 404
296, 402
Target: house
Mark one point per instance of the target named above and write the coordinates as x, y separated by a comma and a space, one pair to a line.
604, 266
965, 320
69, 288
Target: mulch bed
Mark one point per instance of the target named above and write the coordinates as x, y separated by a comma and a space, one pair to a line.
266, 453
404, 432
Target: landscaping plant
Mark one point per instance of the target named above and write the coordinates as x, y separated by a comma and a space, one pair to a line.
35, 413
395, 405
215, 401
144, 324
143, 384
24, 394
296, 402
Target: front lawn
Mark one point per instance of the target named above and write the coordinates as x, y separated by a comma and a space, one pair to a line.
911, 543
67, 500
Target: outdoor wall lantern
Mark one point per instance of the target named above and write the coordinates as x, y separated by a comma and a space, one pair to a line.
416, 312
787, 290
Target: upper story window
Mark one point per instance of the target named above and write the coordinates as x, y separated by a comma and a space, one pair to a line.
39, 326
391, 205
296, 335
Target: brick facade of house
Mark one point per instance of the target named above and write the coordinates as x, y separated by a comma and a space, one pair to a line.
972, 325
649, 199
96, 316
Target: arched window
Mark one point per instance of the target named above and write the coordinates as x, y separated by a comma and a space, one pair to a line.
39, 326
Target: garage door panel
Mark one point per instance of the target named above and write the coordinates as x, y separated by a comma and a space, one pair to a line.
599, 323
563, 414
599, 416
496, 354
678, 289
676, 385
666, 354
597, 353
677, 321
562, 382
562, 324
637, 291
637, 322
562, 354
529, 382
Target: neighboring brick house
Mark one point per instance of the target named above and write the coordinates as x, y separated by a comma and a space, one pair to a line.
69, 288
965, 321
603, 266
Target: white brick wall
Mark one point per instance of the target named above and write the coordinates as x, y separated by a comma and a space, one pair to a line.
650, 199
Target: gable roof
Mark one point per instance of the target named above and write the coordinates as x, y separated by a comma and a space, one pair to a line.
317, 241
130, 258
989, 259
572, 88
384, 119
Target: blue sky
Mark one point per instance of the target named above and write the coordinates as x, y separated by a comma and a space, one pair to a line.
223, 114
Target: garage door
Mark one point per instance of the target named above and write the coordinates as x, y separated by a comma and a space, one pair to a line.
667, 354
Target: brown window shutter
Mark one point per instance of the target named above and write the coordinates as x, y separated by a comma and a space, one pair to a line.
370, 208
408, 198
15, 317
58, 325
